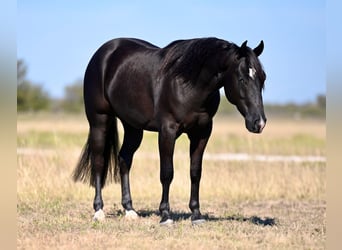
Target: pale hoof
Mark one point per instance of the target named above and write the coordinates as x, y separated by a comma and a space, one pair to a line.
99, 215
168, 222
198, 222
131, 215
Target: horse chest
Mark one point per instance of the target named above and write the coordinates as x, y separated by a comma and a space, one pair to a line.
200, 119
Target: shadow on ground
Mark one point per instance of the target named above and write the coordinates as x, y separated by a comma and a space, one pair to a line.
179, 216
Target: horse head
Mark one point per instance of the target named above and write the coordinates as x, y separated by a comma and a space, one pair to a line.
243, 84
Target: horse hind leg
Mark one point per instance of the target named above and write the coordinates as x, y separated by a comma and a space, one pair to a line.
131, 142
101, 144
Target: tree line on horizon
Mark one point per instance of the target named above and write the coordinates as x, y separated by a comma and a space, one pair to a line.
31, 97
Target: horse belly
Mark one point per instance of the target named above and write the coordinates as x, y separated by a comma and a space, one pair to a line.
132, 105
135, 114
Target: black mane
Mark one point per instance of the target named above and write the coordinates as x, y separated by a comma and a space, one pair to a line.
185, 58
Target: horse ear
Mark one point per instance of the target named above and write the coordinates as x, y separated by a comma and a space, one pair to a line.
243, 45
258, 50
243, 49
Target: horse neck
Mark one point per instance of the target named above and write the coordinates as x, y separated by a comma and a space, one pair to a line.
212, 79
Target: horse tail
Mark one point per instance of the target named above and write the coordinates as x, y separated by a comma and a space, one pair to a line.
84, 171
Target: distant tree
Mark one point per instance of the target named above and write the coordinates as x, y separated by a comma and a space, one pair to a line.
21, 71
73, 97
30, 97
321, 101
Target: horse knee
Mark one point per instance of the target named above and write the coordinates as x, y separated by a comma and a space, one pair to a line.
166, 175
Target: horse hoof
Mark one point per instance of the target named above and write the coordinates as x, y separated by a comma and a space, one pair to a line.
131, 215
167, 222
198, 221
99, 215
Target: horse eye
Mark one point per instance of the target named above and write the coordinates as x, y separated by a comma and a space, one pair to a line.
242, 81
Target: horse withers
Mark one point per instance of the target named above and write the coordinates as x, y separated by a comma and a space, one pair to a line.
170, 90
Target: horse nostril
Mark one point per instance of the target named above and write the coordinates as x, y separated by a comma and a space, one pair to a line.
259, 124
256, 123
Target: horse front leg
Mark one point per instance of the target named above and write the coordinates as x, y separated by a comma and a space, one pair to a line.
166, 141
198, 141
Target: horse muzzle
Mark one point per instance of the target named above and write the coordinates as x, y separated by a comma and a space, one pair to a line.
256, 125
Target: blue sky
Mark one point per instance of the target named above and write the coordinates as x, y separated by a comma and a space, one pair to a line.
57, 38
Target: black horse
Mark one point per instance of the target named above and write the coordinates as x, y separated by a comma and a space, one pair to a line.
170, 90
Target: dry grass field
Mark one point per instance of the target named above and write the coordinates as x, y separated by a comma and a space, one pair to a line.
249, 204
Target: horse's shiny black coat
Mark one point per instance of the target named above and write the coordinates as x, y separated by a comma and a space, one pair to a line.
171, 90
